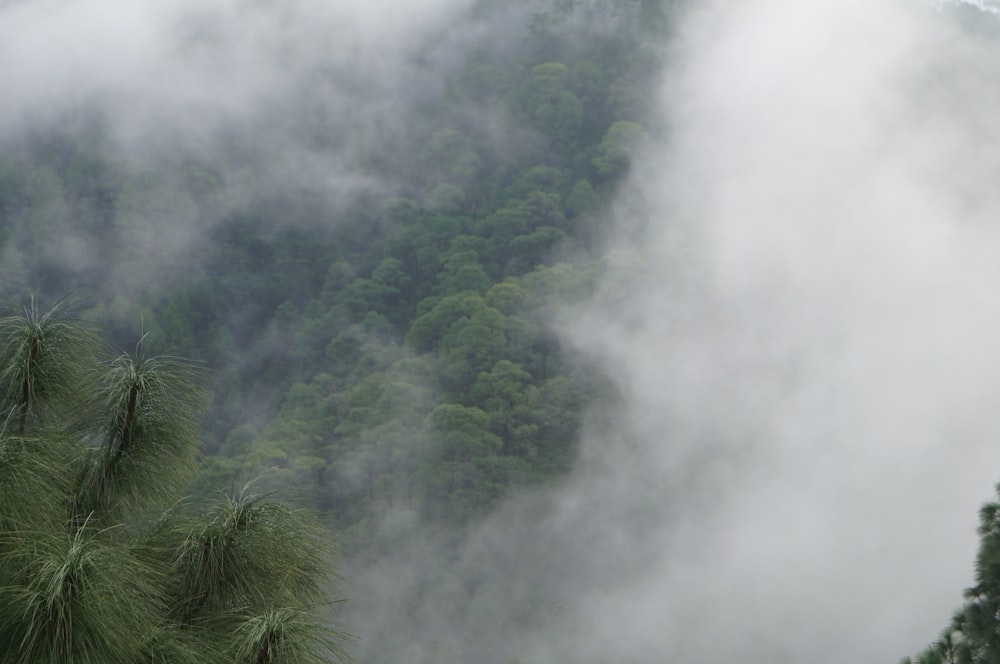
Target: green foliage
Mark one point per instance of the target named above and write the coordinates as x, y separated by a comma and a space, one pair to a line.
546, 98
91, 568
619, 146
464, 476
505, 395
149, 420
427, 330
537, 178
581, 199
445, 198
951, 648
76, 598
481, 80
449, 157
973, 635
46, 366
35, 466
389, 354
222, 558
280, 636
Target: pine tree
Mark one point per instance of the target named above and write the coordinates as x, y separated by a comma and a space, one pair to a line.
101, 560
974, 633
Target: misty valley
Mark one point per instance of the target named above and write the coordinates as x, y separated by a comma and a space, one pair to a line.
465, 332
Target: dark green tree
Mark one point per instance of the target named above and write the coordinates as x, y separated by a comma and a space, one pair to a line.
464, 474
974, 633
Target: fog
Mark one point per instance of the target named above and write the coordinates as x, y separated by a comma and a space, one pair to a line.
270, 98
806, 350
193, 65
806, 355
809, 362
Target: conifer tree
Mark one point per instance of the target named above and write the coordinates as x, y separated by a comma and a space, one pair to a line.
973, 636
101, 561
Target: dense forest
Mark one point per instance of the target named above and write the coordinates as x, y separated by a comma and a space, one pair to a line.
386, 352
394, 350
376, 273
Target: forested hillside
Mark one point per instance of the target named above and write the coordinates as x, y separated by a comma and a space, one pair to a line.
376, 298
393, 349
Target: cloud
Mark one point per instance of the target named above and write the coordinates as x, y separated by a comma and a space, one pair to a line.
809, 360
195, 64
806, 357
196, 111
804, 340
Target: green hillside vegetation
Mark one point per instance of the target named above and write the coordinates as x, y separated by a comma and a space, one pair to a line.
394, 354
973, 634
391, 351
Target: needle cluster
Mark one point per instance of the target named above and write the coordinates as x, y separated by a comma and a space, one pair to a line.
101, 559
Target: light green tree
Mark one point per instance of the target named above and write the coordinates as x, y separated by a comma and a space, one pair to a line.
620, 145
464, 474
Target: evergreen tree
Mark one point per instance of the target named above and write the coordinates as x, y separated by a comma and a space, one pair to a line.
100, 559
974, 633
